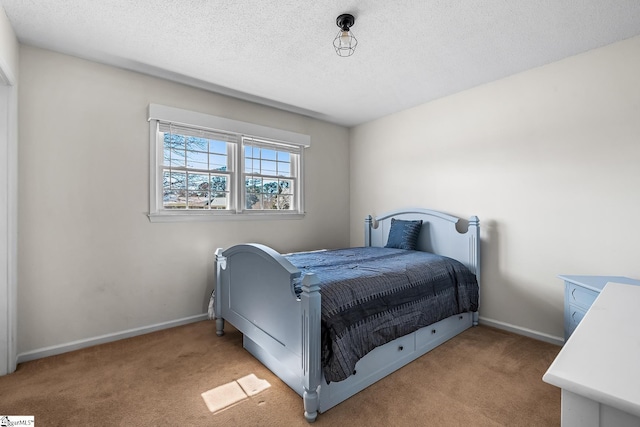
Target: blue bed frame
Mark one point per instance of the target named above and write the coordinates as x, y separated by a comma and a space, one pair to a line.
254, 292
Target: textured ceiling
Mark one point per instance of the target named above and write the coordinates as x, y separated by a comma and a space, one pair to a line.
280, 53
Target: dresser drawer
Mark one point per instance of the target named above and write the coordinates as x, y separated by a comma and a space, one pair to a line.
572, 316
575, 315
580, 297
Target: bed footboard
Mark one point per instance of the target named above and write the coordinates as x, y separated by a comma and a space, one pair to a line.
281, 329
255, 292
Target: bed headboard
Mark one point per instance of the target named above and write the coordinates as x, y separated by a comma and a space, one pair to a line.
438, 235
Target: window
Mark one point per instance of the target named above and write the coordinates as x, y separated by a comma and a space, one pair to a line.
270, 175
206, 167
196, 168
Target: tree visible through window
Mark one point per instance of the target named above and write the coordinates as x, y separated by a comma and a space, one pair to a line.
196, 169
269, 177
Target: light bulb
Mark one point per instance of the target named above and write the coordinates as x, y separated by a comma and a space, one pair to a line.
345, 40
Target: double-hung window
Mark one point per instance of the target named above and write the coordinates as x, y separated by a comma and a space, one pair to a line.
270, 175
206, 167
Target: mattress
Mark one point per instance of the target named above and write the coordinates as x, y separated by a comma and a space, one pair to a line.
373, 295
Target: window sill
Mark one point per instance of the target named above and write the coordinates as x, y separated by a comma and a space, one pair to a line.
201, 216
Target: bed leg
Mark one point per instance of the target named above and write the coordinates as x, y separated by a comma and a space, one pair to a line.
219, 326
475, 318
310, 399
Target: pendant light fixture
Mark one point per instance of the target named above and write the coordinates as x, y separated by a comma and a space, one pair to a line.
345, 43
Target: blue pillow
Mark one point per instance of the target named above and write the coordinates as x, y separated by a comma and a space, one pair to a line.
404, 234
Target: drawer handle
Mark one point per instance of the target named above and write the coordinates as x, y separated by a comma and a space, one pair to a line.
433, 331
400, 348
572, 293
573, 315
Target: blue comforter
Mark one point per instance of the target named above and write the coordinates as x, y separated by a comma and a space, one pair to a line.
371, 296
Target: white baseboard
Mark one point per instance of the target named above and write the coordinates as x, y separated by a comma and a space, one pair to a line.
102, 339
522, 331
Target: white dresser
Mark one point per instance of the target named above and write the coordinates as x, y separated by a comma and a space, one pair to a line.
598, 369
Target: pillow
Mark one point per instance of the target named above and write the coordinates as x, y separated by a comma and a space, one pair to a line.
404, 234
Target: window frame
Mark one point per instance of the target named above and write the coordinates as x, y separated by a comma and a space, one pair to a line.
295, 169
231, 143
271, 137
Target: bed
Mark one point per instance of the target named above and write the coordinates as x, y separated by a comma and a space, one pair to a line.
286, 306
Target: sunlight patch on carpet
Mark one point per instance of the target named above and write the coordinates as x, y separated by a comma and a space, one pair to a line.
229, 394
253, 385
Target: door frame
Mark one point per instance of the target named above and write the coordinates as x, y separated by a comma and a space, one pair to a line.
8, 220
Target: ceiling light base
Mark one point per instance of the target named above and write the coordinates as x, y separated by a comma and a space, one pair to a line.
345, 21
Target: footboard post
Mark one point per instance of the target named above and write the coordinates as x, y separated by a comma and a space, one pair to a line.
311, 363
221, 264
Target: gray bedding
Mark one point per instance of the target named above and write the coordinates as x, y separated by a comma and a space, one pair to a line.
372, 295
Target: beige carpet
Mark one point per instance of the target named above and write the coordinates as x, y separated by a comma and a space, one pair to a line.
483, 377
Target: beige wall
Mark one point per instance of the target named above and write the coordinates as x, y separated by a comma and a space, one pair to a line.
90, 262
549, 161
